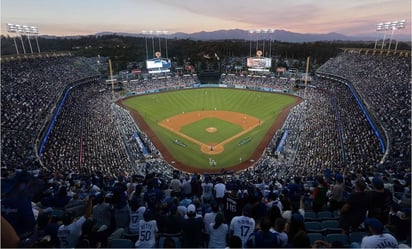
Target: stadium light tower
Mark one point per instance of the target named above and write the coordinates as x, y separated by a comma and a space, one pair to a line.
27, 31
385, 28
379, 27
11, 28
395, 26
19, 31
145, 40
250, 42
35, 31
271, 31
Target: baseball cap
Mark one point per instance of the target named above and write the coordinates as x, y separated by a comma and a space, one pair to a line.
377, 183
191, 209
374, 223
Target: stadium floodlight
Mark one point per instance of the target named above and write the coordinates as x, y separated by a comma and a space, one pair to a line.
11, 28
19, 29
393, 25
25, 30
400, 25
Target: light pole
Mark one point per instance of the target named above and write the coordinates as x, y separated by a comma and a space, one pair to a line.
250, 42
11, 28
396, 25
19, 31
386, 26
27, 31
35, 31
379, 27
272, 31
145, 40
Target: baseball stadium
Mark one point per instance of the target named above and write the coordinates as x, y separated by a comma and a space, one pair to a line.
229, 134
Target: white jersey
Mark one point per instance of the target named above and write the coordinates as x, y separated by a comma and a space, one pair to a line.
69, 235
218, 236
220, 190
207, 190
385, 240
243, 227
135, 218
147, 232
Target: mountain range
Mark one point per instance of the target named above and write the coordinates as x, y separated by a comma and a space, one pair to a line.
279, 35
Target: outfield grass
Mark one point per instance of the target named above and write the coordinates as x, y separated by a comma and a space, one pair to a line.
262, 105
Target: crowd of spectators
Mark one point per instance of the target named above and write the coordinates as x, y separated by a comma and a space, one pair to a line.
383, 82
256, 81
30, 91
92, 164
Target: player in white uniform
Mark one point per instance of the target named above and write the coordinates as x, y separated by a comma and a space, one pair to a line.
243, 226
70, 232
147, 231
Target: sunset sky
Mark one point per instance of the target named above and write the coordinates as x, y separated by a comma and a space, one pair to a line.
84, 17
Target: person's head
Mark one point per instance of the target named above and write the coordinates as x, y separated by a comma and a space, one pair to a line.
280, 224
265, 224
360, 185
218, 220
301, 240
373, 225
147, 215
214, 206
377, 184
67, 218
191, 210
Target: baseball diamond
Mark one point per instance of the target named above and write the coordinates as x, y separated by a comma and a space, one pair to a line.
246, 121
191, 128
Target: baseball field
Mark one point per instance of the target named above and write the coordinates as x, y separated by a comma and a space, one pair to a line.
210, 129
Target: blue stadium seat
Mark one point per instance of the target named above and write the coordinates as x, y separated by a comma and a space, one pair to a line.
331, 226
325, 215
311, 216
315, 236
120, 243
337, 237
357, 236
314, 227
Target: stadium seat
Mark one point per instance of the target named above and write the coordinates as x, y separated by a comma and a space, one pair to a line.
176, 240
120, 243
311, 216
315, 236
331, 226
314, 227
356, 236
337, 237
325, 215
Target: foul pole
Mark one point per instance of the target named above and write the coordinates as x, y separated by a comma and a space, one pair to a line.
306, 76
111, 76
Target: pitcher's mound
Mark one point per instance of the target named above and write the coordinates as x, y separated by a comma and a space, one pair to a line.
211, 129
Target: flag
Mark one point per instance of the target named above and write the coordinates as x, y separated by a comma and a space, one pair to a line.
217, 57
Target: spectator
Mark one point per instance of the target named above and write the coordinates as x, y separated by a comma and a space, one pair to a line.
354, 210
336, 195
147, 231
70, 231
243, 225
263, 238
192, 229
377, 239
380, 201
218, 232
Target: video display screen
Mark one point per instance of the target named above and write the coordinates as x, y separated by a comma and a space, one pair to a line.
262, 62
